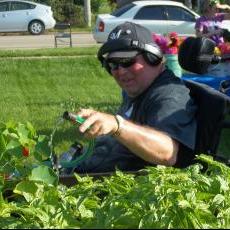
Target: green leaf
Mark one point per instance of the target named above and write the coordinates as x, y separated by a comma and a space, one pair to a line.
28, 189
224, 185
2, 125
16, 151
22, 131
11, 125
44, 174
31, 129
42, 149
218, 200
22, 171
13, 144
1, 182
10, 134
2, 145
51, 197
184, 204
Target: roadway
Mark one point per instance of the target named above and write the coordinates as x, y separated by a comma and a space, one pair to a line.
15, 41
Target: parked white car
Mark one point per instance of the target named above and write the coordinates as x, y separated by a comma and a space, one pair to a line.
19, 16
161, 17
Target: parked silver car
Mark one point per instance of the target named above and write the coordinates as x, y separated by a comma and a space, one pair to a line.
19, 16
161, 17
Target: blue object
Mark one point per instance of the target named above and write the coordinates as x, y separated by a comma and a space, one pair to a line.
212, 81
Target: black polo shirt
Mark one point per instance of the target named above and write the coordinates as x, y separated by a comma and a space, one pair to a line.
166, 106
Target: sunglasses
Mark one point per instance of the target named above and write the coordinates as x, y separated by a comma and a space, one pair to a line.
115, 63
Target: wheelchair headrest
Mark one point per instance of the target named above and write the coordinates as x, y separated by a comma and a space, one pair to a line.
190, 52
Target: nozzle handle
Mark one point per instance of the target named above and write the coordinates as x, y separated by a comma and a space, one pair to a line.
73, 117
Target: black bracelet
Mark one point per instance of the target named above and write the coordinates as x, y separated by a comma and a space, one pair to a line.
120, 121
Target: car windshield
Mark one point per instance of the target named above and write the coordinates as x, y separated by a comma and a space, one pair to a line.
122, 10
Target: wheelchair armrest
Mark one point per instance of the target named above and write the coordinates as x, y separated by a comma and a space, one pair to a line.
224, 86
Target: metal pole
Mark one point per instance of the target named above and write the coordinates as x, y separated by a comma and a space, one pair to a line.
87, 9
188, 3
199, 5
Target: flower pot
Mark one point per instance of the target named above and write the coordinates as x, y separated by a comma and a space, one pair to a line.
173, 64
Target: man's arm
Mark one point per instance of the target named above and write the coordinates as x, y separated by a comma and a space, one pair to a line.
148, 143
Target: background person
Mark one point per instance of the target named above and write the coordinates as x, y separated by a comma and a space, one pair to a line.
210, 23
156, 121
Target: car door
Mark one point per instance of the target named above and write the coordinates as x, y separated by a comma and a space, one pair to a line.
17, 17
4, 8
152, 17
180, 20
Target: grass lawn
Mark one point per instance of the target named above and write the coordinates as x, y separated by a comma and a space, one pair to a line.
39, 90
66, 51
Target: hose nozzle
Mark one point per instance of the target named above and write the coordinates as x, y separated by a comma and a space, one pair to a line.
66, 116
72, 117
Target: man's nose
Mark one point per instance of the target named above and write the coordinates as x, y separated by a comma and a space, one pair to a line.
121, 70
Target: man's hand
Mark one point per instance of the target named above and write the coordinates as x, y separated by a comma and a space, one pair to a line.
97, 123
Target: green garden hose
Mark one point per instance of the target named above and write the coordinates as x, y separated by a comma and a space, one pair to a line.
90, 143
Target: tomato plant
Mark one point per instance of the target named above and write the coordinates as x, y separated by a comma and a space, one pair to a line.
21, 149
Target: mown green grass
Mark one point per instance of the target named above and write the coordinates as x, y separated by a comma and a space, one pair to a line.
65, 51
40, 90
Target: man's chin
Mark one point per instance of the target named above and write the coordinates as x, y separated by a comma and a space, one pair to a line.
132, 93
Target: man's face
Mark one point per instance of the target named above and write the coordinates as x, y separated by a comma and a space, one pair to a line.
136, 76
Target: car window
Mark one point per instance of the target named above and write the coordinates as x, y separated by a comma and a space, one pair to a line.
122, 10
179, 14
3, 6
150, 13
21, 6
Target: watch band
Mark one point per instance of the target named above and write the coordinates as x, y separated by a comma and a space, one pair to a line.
120, 121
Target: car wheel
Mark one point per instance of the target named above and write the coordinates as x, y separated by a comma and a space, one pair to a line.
36, 27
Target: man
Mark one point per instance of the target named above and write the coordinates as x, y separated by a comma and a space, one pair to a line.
156, 121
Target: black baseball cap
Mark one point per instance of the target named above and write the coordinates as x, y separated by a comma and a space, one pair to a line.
126, 41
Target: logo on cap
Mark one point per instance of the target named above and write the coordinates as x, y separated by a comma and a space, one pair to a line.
116, 35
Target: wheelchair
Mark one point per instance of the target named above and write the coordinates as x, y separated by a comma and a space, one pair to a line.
213, 115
